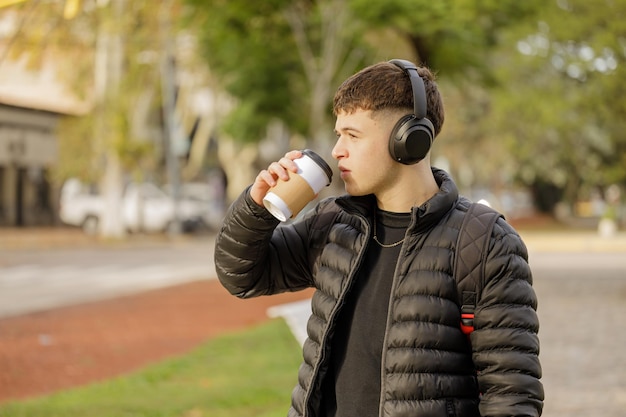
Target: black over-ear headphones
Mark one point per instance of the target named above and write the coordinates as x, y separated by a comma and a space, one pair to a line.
413, 135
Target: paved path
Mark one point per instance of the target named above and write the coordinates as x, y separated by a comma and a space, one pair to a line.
29, 288
61, 270
582, 305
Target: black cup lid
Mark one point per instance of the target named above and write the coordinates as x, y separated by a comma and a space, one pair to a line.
320, 161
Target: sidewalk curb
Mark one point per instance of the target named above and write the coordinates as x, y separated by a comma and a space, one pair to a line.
573, 241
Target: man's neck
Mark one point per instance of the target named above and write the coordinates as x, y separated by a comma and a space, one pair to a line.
414, 188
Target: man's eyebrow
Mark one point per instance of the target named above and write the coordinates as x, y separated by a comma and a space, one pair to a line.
346, 129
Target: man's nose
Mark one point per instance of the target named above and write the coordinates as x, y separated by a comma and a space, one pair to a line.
338, 150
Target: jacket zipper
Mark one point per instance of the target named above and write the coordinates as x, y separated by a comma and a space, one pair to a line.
381, 401
340, 302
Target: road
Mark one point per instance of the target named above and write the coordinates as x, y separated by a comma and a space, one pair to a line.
582, 311
34, 280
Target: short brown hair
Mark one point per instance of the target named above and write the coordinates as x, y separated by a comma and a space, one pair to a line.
385, 86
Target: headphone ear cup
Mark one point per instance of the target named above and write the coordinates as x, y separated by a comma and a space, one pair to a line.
411, 139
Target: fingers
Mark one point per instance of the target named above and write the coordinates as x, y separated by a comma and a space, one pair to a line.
293, 155
269, 177
281, 168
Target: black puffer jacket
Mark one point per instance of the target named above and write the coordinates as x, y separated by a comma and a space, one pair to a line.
429, 369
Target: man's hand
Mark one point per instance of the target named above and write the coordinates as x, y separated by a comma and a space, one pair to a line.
268, 178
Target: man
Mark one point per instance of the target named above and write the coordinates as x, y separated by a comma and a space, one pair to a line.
384, 338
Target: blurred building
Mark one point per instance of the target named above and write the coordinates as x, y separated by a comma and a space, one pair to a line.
31, 104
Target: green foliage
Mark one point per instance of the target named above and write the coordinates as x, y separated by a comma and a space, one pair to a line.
450, 35
561, 106
253, 49
248, 44
83, 141
112, 123
77, 153
43, 33
243, 374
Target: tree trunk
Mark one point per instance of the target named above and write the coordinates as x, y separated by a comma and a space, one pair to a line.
237, 160
111, 225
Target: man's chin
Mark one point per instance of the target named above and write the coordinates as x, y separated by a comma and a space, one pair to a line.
354, 192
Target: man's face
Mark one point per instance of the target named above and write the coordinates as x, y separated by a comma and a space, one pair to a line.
362, 152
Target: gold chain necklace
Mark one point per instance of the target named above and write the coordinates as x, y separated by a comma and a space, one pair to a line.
388, 245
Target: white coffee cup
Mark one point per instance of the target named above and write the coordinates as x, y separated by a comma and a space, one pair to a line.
287, 198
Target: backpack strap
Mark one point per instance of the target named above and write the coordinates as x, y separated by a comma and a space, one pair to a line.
469, 259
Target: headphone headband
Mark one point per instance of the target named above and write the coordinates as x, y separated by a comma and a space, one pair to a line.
417, 85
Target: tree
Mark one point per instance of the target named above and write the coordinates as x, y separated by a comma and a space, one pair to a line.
451, 36
281, 60
111, 56
457, 40
561, 106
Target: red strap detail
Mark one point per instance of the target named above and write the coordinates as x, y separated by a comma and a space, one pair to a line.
467, 323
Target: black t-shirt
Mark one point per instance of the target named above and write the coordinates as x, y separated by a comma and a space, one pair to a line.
352, 385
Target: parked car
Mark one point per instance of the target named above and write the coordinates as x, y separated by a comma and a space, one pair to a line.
210, 196
144, 208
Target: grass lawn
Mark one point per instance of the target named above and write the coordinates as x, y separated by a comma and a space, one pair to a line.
244, 374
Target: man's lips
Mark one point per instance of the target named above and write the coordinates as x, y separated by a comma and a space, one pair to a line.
343, 171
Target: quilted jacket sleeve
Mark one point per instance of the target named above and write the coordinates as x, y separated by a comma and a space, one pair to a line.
505, 341
255, 257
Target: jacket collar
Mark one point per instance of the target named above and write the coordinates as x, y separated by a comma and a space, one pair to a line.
425, 216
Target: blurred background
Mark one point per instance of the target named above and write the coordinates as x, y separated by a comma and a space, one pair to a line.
128, 127
194, 97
